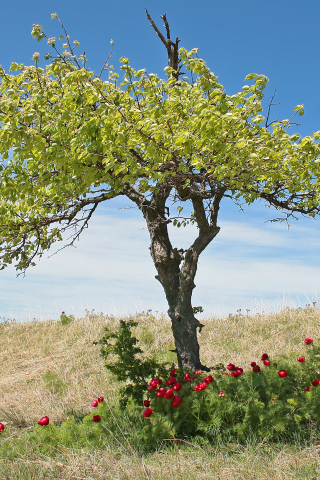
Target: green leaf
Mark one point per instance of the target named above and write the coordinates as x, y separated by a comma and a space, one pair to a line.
251, 76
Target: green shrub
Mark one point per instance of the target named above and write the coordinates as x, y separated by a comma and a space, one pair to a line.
65, 319
129, 365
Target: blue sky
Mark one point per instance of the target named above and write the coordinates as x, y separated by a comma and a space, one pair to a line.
250, 264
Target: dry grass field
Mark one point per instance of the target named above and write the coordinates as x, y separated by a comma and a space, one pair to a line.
52, 369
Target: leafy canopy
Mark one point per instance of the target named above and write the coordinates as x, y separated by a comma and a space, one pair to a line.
78, 140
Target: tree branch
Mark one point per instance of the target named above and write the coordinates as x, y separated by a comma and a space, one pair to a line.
200, 213
172, 47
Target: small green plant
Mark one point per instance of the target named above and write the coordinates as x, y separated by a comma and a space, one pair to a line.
65, 319
129, 365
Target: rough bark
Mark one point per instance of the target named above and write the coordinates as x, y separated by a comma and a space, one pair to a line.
178, 282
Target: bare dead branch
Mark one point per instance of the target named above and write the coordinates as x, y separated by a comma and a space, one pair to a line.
172, 47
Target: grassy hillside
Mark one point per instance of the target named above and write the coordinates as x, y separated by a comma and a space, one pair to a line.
52, 369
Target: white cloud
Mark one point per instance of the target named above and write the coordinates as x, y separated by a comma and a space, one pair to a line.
111, 269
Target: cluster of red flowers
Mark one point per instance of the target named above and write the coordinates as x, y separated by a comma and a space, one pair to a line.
176, 386
45, 420
95, 403
266, 362
166, 393
235, 371
202, 385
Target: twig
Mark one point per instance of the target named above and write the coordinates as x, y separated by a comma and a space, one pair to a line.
106, 62
269, 108
260, 445
109, 431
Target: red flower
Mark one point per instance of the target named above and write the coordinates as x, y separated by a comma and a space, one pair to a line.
301, 359
177, 386
63, 312
208, 379
176, 400
169, 393
187, 378
148, 412
154, 383
196, 372
146, 403
171, 381
266, 362
308, 340
231, 366
237, 371
173, 372
221, 393
43, 421
307, 389
160, 392
96, 418
100, 399
253, 364
200, 386
1, 427
256, 368
315, 382
94, 403
264, 356
282, 373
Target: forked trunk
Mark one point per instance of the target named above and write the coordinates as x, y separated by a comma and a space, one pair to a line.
178, 286
178, 282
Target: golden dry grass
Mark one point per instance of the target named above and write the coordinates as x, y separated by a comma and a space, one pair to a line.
50, 369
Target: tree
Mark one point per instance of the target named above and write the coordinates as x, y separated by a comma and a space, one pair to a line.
78, 141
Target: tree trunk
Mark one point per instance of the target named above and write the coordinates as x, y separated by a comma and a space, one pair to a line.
178, 283
184, 328
178, 286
